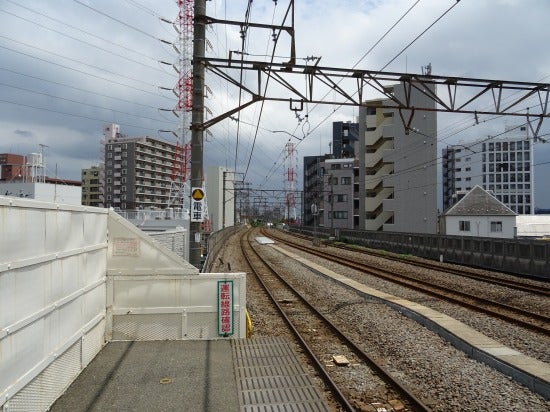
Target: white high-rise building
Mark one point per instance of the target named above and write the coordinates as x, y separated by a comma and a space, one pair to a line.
501, 165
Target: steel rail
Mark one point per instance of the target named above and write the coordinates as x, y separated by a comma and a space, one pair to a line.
477, 303
384, 374
340, 397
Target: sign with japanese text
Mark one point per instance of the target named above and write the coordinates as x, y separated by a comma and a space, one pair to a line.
197, 204
225, 307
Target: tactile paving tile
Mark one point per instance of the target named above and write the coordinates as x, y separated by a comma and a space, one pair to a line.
270, 378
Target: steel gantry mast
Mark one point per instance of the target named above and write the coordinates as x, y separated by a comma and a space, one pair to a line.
308, 84
290, 182
350, 87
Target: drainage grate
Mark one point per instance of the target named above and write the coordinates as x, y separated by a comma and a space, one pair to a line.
270, 378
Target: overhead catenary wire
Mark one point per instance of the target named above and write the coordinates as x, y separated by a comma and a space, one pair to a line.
395, 57
117, 20
77, 28
83, 103
77, 61
75, 115
311, 130
82, 72
82, 41
77, 88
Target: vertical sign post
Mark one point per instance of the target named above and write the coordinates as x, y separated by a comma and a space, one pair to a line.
225, 307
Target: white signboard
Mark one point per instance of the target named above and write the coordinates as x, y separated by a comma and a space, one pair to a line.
197, 204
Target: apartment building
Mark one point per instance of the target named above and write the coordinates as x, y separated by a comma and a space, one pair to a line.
93, 186
501, 165
344, 139
398, 187
138, 171
12, 167
331, 182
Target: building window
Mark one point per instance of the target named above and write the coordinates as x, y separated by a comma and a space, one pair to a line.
109, 180
342, 214
342, 198
464, 225
109, 155
496, 226
346, 180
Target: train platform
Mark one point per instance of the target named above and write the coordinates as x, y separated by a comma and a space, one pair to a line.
257, 374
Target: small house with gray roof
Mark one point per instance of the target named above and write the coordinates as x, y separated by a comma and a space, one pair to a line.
480, 214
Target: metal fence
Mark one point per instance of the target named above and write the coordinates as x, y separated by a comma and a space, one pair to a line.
529, 257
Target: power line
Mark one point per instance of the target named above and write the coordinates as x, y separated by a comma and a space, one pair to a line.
82, 41
117, 20
83, 31
82, 72
85, 104
77, 88
74, 115
397, 55
76, 61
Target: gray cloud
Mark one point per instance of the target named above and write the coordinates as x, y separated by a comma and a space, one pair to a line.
24, 133
61, 101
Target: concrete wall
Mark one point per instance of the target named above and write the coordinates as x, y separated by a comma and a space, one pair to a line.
520, 256
46, 192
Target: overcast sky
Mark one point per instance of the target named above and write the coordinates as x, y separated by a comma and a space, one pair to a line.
67, 67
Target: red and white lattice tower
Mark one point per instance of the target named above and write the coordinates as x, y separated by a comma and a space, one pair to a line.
290, 182
184, 92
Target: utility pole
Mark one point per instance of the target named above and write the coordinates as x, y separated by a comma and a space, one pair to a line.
197, 119
332, 204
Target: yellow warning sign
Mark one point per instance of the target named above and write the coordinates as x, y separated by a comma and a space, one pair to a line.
197, 193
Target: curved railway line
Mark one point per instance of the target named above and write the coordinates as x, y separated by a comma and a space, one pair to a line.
307, 324
539, 322
538, 288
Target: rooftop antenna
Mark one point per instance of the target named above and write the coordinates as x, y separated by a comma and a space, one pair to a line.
427, 70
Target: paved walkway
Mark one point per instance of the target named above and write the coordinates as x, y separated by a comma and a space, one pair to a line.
156, 376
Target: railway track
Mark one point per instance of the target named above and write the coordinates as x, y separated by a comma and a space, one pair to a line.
527, 319
538, 289
316, 333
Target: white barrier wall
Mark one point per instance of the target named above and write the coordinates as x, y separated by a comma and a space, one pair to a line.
74, 277
153, 294
52, 298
